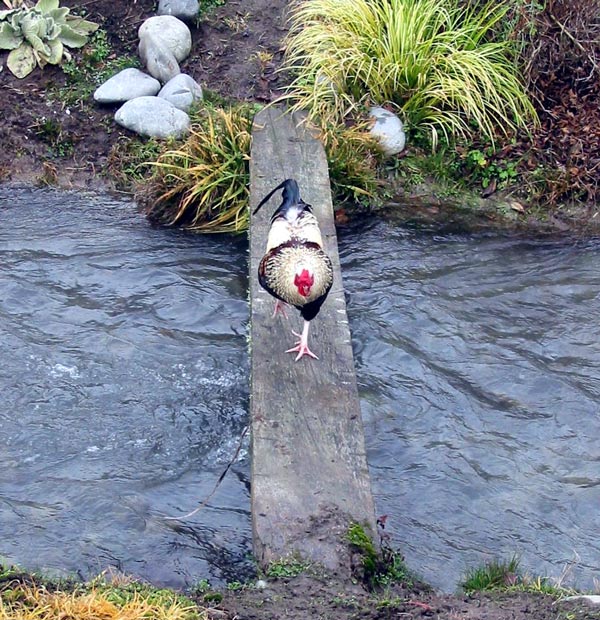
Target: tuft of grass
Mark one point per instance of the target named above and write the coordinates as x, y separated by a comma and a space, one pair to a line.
436, 60
50, 131
505, 575
497, 574
203, 184
35, 602
354, 158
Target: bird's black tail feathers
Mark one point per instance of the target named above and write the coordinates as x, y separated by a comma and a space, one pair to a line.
290, 197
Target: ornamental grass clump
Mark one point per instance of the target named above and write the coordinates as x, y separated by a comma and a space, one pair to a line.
436, 60
203, 184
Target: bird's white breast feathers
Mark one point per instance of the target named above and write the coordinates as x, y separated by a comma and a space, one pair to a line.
305, 228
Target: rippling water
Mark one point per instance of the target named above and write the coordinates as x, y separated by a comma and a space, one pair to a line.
124, 391
479, 370
124, 394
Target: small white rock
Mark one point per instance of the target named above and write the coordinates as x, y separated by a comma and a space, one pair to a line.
154, 117
125, 85
171, 32
181, 91
594, 599
186, 10
388, 129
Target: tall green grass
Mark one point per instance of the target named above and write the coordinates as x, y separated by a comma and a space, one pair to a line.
436, 60
203, 184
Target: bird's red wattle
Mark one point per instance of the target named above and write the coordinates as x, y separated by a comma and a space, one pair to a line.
304, 282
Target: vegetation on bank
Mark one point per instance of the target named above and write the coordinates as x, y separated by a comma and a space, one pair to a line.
497, 97
436, 63
442, 65
507, 576
202, 184
29, 597
466, 77
388, 586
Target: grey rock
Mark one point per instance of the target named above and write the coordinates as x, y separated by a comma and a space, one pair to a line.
169, 31
158, 59
594, 599
181, 91
125, 85
154, 117
186, 10
388, 129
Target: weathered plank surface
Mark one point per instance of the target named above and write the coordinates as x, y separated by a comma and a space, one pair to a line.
309, 471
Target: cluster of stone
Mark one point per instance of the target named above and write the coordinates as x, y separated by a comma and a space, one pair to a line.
155, 103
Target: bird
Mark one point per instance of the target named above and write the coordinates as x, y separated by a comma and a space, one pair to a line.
295, 269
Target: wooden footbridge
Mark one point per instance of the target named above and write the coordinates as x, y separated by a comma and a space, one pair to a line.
310, 478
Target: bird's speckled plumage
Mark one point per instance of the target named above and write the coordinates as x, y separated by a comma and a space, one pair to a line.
294, 254
280, 265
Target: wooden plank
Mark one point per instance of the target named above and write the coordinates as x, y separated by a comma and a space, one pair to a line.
310, 478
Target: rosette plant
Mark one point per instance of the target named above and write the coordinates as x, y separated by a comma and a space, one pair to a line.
38, 35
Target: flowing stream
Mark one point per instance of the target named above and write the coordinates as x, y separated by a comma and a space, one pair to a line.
478, 361
124, 394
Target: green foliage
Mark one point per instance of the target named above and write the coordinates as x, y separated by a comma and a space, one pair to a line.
51, 132
286, 568
39, 35
212, 598
202, 587
90, 68
493, 575
435, 59
361, 542
121, 594
456, 168
483, 168
507, 576
203, 184
379, 569
234, 586
208, 5
354, 160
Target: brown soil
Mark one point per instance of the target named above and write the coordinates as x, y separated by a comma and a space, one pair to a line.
223, 60
321, 597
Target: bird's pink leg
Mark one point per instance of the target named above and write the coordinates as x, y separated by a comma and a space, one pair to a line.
279, 307
302, 345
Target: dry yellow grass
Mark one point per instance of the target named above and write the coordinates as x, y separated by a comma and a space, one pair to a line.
37, 603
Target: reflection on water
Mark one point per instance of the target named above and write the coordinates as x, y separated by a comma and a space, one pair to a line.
478, 365
124, 394
124, 391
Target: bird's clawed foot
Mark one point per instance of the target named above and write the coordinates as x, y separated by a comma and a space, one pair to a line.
279, 307
302, 345
302, 349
